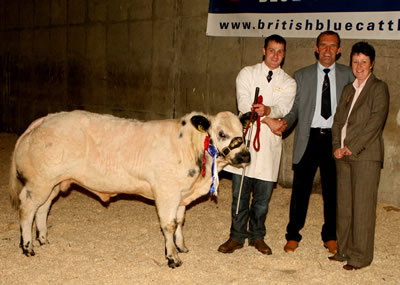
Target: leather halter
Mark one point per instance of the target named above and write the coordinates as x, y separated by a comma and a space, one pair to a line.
235, 143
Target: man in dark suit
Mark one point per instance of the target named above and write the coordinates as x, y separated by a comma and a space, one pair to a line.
319, 87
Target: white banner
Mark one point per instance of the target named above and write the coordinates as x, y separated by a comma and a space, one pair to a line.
226, 18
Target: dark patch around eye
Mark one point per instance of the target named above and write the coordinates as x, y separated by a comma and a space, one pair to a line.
183, 123
222, 136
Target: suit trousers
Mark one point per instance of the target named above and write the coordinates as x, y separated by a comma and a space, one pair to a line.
317, 154
356, 210
253, 215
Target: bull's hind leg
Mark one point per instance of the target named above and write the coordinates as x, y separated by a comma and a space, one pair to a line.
179, 240
41, 217
167, 212
27, 212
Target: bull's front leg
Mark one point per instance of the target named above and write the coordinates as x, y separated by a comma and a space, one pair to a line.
167, 212
179, 240
200, 188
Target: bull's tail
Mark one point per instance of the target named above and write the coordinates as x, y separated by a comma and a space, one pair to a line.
15, 185
15, 180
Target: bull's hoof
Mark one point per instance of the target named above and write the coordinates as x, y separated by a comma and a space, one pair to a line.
28, 252
182, 250
43, 242
41, 239
173, 264
26, 249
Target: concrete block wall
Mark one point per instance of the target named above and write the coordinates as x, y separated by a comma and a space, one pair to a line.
148, 60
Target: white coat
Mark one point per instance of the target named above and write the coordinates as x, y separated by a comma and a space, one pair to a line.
278, 94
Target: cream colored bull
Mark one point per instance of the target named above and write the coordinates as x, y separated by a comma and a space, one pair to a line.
159, 160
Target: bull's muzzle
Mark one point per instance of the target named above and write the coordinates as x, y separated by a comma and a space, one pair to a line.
235, 143
242, 157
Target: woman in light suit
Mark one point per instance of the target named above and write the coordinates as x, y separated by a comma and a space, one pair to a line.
358, 149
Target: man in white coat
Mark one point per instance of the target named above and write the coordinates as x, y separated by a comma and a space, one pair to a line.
278, 90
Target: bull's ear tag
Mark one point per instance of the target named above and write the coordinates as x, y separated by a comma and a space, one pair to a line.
201, 123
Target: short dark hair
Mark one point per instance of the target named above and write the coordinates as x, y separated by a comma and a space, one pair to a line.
329, 33
275, 38
364, 48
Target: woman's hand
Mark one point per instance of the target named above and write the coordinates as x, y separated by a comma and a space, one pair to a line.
340, 152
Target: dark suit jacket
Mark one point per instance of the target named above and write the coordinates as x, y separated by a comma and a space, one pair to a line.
304, 103
367, 119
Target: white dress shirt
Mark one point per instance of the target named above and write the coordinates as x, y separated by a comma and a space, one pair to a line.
319, 121
358, 87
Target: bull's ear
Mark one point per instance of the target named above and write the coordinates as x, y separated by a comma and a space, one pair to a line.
245, 119
201, 123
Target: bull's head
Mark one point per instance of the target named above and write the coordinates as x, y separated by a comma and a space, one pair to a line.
226, 133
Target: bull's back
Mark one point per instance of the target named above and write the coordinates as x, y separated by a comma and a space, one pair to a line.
102, 152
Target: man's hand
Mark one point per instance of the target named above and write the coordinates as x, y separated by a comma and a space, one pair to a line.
276, 126
261, 110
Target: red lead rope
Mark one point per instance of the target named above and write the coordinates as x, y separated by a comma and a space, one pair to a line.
206, 145
256, 143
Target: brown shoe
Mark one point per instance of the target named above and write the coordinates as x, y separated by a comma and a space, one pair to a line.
261, 246
334, 258
229, 246
291, 246
331, 245
350, 267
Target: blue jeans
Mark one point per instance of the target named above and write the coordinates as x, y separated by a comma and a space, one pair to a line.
255, 214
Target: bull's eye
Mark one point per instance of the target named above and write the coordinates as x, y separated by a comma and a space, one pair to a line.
222, 134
